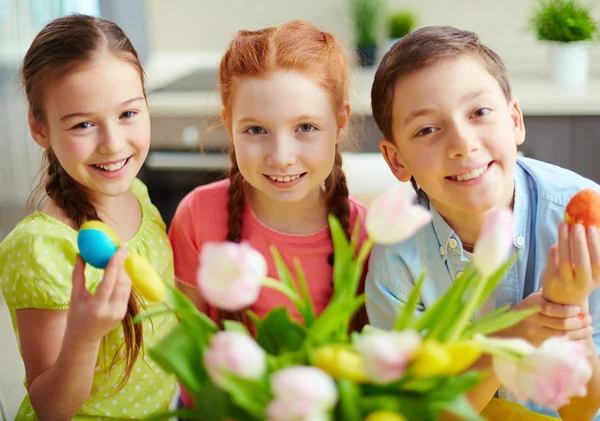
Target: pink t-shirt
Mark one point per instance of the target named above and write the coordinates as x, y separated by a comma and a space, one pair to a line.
202, 217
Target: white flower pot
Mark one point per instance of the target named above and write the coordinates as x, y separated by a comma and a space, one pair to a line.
569, 63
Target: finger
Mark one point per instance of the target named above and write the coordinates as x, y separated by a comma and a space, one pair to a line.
78, 277
593, 242
121, 290
111, 272
570, 323
583, 333
550, 309
565, 265
580, 255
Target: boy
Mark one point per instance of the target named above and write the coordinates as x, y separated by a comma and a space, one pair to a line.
451, 127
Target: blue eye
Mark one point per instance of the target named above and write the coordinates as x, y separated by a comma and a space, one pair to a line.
255, 130
307, 128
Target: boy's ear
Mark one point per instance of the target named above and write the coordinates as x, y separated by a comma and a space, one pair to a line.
38, 131
392, 157
517, 121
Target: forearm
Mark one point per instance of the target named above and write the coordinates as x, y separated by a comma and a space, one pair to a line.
59, 393
583, 409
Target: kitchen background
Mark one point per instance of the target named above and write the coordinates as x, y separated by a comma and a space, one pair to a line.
181, 42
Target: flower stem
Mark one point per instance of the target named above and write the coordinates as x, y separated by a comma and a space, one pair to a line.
285, 290
468, 310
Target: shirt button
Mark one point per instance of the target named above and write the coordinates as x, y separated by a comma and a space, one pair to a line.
452, 243
442, 251
520, 241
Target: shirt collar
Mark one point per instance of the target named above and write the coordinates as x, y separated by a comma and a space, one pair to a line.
521, 210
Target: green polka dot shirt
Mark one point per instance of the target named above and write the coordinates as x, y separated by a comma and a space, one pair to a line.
36, 263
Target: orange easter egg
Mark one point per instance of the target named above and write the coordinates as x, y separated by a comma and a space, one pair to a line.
584, 208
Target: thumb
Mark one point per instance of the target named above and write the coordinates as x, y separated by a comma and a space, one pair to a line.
78, 277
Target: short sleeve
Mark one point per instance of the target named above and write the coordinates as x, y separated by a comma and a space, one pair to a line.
36, 267
387, 286
184, 242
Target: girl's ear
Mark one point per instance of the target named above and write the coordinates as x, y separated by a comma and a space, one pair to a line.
38, 131
343, 121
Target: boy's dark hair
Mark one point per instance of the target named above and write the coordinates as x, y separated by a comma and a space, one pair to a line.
424, 47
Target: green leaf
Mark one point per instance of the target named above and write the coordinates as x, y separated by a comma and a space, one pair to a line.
413, 406
308, 312
251, 395
284, 274
404, 320
334, 319
179, 353
496, 278
181, 414
278, 333
500, 322
348, 408
234, 326
435, 319
152, 313
421, 384
177, 299
460, 407
355, 233
451, 387
342, 256
212, 402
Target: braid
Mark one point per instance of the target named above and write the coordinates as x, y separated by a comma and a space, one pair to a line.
72, 198
67, 193
339, 205
337, 194
235, 210
235, 204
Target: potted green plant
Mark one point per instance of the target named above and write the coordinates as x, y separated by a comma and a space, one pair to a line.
568, 27
399, 24
365, 15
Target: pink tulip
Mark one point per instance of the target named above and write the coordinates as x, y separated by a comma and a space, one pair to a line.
394, 217
387, 354
231, 274
301, 393
495, 241
234, 353
549, 375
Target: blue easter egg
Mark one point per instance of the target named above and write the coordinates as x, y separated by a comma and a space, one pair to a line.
95, 247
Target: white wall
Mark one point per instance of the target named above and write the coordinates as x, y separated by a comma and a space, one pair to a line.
196, 25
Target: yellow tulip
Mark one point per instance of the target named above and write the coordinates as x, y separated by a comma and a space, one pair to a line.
385, 416
340, 363
435, 359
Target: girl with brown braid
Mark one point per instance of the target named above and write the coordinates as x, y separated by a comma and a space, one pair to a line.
84, 357
285, 104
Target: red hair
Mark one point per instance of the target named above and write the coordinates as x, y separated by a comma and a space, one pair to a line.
295, 46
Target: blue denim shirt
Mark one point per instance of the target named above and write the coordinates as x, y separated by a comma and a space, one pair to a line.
542, 192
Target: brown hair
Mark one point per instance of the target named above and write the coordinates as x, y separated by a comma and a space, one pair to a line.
60, 46
297, 46
422, 48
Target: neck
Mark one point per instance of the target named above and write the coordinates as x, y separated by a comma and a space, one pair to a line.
467, 225
304, 217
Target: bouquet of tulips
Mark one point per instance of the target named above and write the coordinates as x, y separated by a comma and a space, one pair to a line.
317, 369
